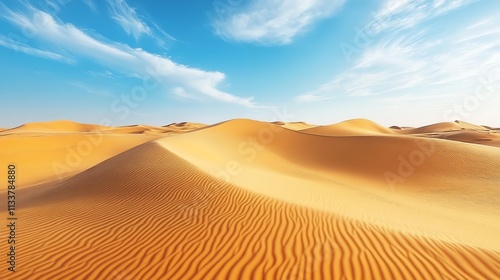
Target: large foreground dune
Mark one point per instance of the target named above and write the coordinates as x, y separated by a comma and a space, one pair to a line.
246, 199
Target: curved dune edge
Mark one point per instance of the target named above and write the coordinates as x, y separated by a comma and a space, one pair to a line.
148, 214
346, 176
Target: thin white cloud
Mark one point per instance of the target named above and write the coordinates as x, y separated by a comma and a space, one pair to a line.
127, 18
181, 92
136, 25
420, 65
88, 89
21, 47
271, 22
91, 5
55, 36
402, 14
106, 74
160, 36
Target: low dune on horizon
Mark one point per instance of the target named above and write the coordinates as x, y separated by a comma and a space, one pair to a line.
246, 199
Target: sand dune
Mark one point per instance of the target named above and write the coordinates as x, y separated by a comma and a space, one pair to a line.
54, 127
64, 126
185, 125
433, 128
252, 200
294, 125
456, 131
472, 136
444, 127
53, 150
350, 127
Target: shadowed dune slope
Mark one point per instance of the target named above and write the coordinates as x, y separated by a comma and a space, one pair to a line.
149, 214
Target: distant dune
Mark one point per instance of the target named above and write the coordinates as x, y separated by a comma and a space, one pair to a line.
350, 127
294, 125
245, 199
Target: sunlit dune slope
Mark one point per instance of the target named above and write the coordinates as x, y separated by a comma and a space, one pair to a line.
64, 126
457, 131
54, 127
489, 138
48, 151
444, 127
52, 157
149, 214
357, 157
185, 126
350, 127
294, 125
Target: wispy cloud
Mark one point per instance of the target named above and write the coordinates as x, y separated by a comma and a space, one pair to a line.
181, 92
420, 65
21, 47
91, 5
106, 74
402, 14
273, 22
69, 41
87, 89
136, 25
128, 19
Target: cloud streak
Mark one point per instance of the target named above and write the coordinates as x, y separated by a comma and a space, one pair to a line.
21, 47
272, 22
134, 26
60, 41
91, 5
422, 64
128, 19
401, 14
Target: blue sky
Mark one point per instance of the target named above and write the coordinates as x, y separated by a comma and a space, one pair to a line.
405, 62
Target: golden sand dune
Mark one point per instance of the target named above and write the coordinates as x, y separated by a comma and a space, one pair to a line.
456, 131
64, 126
294, 125
438, 127
54, 127
253, 200
50, 151
444, 127
55, 156
185, 126
411, 165
490, 138
350, 127
174, 128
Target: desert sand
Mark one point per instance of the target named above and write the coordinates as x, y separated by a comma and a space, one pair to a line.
245, 199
